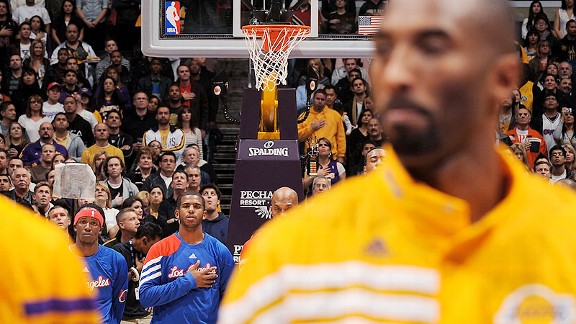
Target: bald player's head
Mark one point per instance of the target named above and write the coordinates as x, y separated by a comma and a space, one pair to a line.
441, 73
283, 199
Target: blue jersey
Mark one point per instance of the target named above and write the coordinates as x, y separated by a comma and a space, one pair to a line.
109, 274
166, 284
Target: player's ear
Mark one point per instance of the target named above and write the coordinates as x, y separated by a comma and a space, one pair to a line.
204, 214
504, 77
177, 214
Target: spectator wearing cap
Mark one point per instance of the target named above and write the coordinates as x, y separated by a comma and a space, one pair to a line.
52, 106
106, 267
547, 122
542, 25
83, 107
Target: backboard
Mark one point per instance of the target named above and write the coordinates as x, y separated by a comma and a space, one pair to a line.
213, 28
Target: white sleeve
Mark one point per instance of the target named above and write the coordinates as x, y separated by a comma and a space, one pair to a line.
341, 169
46, 16
524, 28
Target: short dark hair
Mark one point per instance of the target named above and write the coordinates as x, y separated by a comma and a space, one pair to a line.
211, 186
42, 184
190, 193
70, 71
73, 24
357, 70
59, 114
557, 148
60, 205
322, 91
179, 171
5, 104
24, 23
329, 87
105, 165
138, 92
163, 154
149, 230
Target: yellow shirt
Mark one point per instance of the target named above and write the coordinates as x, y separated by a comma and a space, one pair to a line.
62, 141
333, 130
526, 95
111, 150
383, 248
41, 281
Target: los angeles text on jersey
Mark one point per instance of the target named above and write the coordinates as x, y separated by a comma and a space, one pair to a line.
99, 282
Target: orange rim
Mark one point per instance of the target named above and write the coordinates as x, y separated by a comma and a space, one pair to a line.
275, 31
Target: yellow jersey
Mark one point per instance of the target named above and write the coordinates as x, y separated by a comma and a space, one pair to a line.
384, 248
41, 281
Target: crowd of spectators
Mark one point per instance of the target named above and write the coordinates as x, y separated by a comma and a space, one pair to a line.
537, 120
70, 80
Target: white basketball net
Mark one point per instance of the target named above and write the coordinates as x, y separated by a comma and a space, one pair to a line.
270, 67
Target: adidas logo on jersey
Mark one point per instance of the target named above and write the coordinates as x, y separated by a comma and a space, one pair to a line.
376, 248
193, 256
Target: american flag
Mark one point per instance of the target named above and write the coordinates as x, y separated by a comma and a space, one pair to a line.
368, 25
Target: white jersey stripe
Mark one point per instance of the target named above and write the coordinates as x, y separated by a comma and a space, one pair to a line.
146, 271
271, 288
148, 278
153, 261
310, 306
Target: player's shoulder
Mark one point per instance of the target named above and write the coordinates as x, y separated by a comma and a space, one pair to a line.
164, 247
20, 224
221, 252
110, 253
555, 200
536, 202
215, 243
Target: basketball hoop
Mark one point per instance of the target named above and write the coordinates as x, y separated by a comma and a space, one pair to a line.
270, 54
